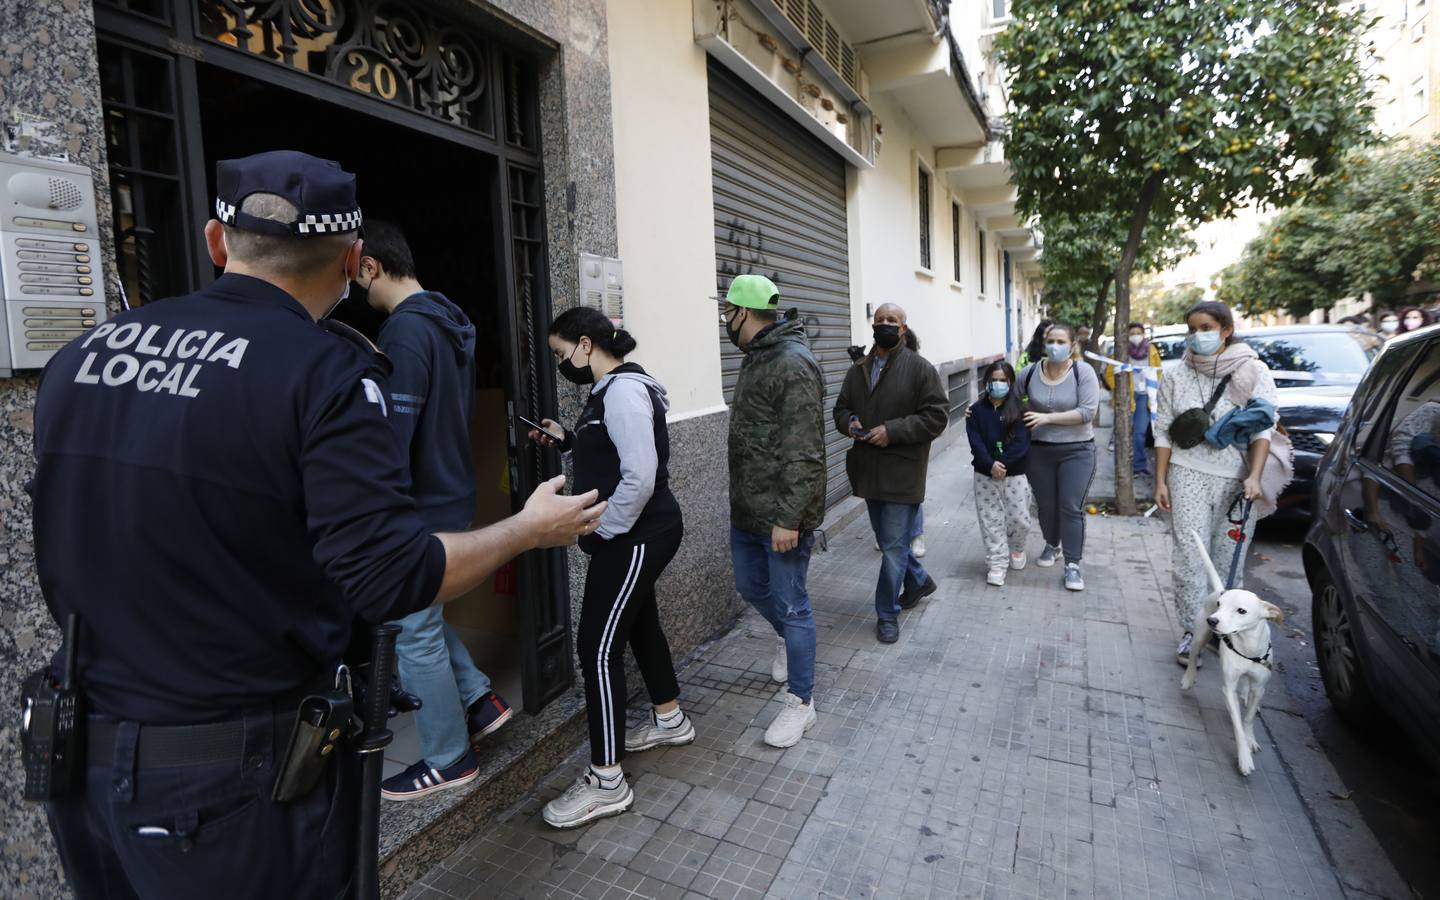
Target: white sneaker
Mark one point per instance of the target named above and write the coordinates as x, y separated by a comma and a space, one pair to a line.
996, 576
1017, 560
780, 669
792, 723
917, 546
586, 801
1048, 556
652, 734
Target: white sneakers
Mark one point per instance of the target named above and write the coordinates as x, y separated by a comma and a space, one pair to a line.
792, 723
917, 546
996, 576
652, 734
1017, 560
586, 801
780, 669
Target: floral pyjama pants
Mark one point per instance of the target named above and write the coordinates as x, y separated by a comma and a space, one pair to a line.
1004, 511
1202, 503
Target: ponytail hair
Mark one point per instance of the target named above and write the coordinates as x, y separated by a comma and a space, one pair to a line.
589, 322
912, 340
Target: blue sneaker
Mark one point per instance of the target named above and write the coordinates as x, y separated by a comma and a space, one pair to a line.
421, 780
486, 715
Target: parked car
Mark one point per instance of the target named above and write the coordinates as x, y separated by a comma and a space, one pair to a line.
1372, 555
1316, 369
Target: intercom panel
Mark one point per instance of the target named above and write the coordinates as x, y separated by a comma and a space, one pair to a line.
51, 279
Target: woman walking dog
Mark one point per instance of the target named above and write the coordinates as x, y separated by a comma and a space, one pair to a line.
622, 448
1201, 478
1061, 399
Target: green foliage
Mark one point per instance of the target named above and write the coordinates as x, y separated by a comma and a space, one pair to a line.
1228, 101
1373, 226
1081, 254
1158, 305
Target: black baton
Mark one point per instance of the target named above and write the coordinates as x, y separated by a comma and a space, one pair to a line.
371, 747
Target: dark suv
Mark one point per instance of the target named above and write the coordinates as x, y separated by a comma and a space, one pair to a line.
1372, 555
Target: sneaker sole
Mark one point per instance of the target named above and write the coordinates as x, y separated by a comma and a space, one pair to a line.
602, 811
804, 731
679, 740
1043, 564
433, 789
492, 727
1015, 568
993, 583
1075, 587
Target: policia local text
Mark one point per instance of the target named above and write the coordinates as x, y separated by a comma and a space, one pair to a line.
157, 374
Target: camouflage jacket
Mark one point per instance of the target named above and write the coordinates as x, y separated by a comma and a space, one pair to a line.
777, 434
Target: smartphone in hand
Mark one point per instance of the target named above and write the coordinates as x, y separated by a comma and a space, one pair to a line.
557, 438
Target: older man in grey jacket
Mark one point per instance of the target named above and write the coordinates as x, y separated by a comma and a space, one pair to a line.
893, 404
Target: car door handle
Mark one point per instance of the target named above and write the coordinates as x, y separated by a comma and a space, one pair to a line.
1355, 522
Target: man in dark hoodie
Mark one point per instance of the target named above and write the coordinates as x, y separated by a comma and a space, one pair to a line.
431, 344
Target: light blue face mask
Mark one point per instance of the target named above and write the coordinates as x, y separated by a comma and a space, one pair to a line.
999, 389
1058, 353
1205, 343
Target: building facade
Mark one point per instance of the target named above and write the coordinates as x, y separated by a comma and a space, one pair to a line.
634, 154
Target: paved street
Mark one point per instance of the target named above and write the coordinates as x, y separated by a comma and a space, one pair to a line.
1390, 785
1017, 742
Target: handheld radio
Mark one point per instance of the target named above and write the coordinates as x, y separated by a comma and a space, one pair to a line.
52, 726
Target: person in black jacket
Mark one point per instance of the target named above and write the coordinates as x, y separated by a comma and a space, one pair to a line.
621, 448
999, 444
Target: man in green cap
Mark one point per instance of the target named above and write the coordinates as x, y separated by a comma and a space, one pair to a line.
777, 484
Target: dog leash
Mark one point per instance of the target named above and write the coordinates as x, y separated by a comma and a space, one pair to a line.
1238, 535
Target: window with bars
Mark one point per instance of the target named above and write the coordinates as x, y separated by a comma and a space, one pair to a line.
980, 255
925, 254
955, 239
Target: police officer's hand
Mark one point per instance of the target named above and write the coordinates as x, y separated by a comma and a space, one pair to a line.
553, 519
542, 438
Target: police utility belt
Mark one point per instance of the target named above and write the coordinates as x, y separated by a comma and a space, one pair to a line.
56, 737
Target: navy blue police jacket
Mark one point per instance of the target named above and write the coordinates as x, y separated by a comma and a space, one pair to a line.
219, 496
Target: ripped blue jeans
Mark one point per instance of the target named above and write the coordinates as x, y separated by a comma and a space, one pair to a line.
774, 583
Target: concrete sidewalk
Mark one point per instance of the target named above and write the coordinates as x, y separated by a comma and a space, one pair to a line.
1017, 742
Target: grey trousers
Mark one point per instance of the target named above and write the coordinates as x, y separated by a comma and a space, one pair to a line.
1060, 476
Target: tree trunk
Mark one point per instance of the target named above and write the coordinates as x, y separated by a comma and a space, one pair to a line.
1097, 318
1124, 480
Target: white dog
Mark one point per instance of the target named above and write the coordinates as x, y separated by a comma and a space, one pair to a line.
1241, 619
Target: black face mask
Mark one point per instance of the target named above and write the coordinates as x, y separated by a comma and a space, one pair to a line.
576, 374
887, 336
732, 329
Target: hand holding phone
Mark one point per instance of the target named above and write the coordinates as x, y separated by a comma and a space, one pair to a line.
543, 432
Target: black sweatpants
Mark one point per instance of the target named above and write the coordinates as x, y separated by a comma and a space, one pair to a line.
620, 608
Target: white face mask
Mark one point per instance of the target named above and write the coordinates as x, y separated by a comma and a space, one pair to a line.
1390, 326
1413, 322
1137, 339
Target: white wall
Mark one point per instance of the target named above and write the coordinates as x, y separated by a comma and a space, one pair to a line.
952, 319
664, 201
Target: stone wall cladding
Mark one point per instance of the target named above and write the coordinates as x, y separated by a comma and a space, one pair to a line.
48, 71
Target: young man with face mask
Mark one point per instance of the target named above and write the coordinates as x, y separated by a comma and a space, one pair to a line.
431, 344
893, 405
777, 484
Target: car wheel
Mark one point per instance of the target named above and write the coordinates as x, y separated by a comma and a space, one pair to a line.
1345, 682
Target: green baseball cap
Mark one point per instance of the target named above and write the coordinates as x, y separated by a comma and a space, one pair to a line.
753, 292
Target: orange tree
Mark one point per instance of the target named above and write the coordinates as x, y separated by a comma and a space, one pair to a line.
1166, 112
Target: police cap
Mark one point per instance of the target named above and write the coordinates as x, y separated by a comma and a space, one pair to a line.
322, 192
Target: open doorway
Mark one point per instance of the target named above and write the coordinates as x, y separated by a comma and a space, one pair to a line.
442, 195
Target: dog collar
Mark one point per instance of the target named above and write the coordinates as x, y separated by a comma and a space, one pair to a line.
1263, 659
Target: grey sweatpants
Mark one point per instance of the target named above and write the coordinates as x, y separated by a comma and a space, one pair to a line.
1060, 476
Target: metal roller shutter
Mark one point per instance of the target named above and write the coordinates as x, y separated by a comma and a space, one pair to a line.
780, 212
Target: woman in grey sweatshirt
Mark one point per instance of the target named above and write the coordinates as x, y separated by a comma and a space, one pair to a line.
1061, 398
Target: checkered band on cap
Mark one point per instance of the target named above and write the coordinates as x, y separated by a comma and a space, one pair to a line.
329, 223
225, 212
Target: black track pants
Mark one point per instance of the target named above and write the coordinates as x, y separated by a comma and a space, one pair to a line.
620, 608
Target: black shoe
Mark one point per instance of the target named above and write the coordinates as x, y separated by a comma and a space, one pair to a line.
887, 630
911, 599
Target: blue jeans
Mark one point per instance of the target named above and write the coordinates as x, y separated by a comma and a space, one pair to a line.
894, 523
436, 667
1138, 423
919, 527
774, 583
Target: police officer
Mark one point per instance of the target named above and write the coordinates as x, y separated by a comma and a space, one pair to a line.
218, 497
